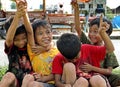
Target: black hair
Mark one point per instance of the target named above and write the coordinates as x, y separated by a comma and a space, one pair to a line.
69, 45
20, 30
96, 21
40, 23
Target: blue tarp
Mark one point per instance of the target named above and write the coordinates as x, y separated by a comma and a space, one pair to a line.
116, 22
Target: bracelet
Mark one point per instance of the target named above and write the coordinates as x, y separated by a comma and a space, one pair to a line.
34, 77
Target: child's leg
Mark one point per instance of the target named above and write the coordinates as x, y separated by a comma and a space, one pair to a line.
27, 79
8, 80
40, 84
35, 84
69, 73
98, 81
81, 82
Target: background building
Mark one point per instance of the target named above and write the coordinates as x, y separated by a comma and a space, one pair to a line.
91, 6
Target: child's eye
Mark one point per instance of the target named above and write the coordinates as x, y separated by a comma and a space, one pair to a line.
96, 31
40, 33
48, 32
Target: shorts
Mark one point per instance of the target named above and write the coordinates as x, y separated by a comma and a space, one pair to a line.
48, 85
113, 79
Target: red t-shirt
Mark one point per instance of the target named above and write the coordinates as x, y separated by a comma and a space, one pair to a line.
93, 54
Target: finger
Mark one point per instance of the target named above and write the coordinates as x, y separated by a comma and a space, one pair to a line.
101, 20
25, 1
85, 63
20, 2
34, 73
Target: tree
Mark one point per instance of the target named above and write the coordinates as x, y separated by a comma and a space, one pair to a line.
13, 5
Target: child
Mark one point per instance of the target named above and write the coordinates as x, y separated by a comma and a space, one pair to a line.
16, 44
42, 62
64, 64
110, 61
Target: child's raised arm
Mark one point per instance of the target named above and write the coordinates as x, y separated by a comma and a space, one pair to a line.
105, 37
27, 24
12, 29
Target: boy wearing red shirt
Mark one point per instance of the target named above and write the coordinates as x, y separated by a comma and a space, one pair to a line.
67, 66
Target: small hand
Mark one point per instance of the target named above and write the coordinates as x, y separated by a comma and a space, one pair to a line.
38, 49
86, 67
21, 8
38, 77
103, 25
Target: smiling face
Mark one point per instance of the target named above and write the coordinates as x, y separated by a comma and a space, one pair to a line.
43, 36
93, 30
94, 35
20, 40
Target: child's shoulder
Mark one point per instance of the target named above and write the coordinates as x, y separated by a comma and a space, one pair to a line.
54, 50
86, 45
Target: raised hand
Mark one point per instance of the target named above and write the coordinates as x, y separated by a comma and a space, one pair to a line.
102, 31
21, 8
103, 25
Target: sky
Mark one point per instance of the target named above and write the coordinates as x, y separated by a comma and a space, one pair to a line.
34, 4
113, 3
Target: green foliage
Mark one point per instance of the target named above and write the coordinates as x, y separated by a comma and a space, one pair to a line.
13, 5
110, 16
109, 11
3, 69
116, 70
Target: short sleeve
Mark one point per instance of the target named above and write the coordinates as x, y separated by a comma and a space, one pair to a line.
57, 65
110, 61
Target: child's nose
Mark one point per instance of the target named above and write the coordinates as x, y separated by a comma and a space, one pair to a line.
92, 33
45, 35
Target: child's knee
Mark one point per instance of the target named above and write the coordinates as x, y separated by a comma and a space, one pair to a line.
82, 81
9, 75
69, 67
97, 80
9, 79
28, 78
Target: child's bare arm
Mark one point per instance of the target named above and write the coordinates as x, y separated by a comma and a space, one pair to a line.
58, 82
105, 37
86, 67
27, 24
12, 29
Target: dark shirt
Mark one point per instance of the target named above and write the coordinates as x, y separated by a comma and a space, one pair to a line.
19, 62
